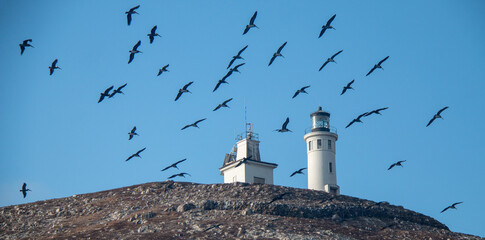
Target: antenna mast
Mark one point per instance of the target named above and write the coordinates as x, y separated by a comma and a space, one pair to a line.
245, 121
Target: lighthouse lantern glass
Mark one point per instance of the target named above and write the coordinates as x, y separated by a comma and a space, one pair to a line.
320, 121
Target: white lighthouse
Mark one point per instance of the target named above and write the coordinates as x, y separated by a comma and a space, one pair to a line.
322, 170
244, 163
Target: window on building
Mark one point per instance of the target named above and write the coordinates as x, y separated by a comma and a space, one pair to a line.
330, 167
319, 143
258, 180
309, 145
329, 144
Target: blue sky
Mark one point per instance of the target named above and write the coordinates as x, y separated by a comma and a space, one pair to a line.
60, 141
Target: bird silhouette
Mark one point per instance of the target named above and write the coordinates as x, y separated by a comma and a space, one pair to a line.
377, 66
235, 69
223, 80
118, 90
53, 67
213, 226
356, 120
132, 133
179, 175
25, 43
243, 160
330, 59
219, 84
278, 197
152, 34
251, 23
452, 206
183, 90
163, 69
437, 115
134, 51
398, 163
130, 12
327, 25
238, 56
347, 87
194, 124
377, 111
301, 90
174, 165
137, 154
105, 94
223, 104
389, 226
283, 127
277, 54
24, 190
299, 171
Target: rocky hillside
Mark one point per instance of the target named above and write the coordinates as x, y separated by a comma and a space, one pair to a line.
177, 210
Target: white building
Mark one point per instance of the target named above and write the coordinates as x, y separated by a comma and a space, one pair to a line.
322, 170
244, 163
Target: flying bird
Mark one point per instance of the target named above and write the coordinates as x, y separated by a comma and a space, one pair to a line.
219, 84
213, 226
53, 66
130, 12
398, 163
178, 175
283, 127
223, 104
152, 34
24, 189
137, 154
377, 111
277, 53
118, 90
327, 25
132, 133
301, 90
330, 59
134, 50
163, 69
278, 197
235, 69
300, 171
223, 80
25, 43
377, 66
243, 160
356, 120
347, 87
174, 165
437, 115
453, 206
238, 56
183, 90
194, 124
105, 94
251, 23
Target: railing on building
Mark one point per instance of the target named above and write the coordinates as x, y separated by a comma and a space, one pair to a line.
331, 129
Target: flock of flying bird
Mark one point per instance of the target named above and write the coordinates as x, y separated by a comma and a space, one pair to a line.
107, 93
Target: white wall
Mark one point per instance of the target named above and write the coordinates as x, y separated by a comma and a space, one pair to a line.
256, 170
231, 172
248, 148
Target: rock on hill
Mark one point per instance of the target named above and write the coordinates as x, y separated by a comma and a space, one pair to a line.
178, 210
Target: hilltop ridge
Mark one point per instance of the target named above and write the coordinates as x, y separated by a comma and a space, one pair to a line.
183, 210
